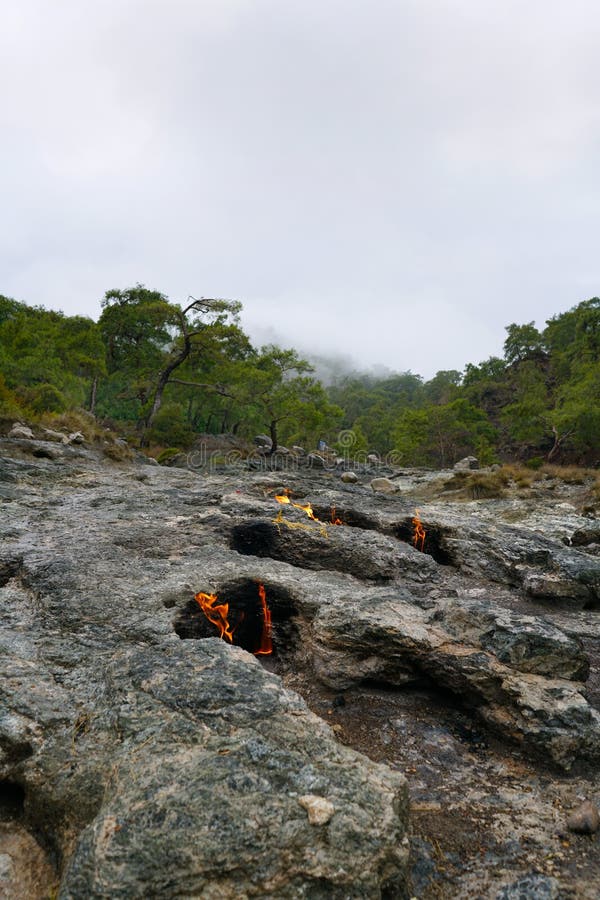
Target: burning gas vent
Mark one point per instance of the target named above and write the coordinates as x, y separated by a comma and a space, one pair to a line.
426, 538
257, 617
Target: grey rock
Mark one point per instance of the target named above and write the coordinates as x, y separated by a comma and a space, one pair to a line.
263, 440
384, 486
20, 431
349, 477
544, 567
467, 464
585, 819
131, 742
316, 461
76, 437
531, 887
373, 458
58, 436
211, 745
133, 730
526, 643
364, 554
391, 640
583, 537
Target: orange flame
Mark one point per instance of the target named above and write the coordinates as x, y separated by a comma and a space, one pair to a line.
307, 508
266, 644
334, 518
419, 533
216, 613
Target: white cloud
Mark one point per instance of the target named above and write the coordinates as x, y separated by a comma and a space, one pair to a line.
400, 180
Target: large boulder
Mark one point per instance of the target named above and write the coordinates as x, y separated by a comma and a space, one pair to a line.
384, 486
467, 464
388, 639
21, 431
223, 784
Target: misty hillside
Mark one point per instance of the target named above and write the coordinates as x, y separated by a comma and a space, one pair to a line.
160, 375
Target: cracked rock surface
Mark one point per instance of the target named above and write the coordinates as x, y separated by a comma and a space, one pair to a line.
146, 757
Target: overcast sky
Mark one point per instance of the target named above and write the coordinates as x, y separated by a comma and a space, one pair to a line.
397, 180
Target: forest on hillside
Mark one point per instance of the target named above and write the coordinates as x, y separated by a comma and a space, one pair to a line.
161, 373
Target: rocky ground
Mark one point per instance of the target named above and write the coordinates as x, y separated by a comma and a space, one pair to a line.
142, 756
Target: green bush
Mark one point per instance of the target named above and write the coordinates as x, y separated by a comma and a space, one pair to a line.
9, 405
46, 398
170, 428
165, 455
535, 463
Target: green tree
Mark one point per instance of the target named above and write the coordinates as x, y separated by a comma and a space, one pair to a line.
441, 435
522, 342
150, 339
443, 387
279, 386
527, 417
42, 347
576, 416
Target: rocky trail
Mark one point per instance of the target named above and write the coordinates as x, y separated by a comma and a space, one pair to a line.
425, 725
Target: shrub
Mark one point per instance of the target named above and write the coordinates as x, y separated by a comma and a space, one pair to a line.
170, 427
483, 486
165, 455
75, 420
9, 405
46, 398
117, 451
535, 463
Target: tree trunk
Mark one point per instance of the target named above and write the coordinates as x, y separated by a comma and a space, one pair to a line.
179, 358
156, 403
558, 439
273, 433
93, 395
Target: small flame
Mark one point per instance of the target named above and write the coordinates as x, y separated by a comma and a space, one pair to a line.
307, 508
266, 644
334, 518
216, 613
419, 533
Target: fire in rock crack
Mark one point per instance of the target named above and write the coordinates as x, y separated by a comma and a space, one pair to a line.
306, 507
266, 643
334, 518
419, 533
218, 614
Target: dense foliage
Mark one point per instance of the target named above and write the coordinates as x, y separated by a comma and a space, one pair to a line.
159, 370
166, 372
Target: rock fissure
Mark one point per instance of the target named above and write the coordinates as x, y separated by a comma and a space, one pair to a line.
129, 725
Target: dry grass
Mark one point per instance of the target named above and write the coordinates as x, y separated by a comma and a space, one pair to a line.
570, 474
475, 485
117, 451
482, 485
74, 420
